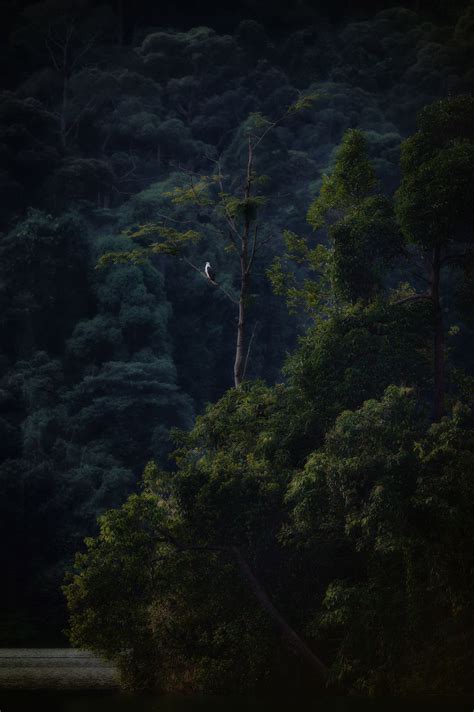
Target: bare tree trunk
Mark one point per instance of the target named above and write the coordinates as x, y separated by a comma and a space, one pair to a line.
62, 117
120, 23
240, 345
289, 634
244, 276
439, 347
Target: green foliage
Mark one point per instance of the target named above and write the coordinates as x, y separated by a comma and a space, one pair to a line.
115, 618
389, 482
352, 180
361, 231
173, 242
306, 101
134, 257
352, 356
195, 193
379, 503
311, 292
243, 209
183, 620
434, 203
365, 243
227, 482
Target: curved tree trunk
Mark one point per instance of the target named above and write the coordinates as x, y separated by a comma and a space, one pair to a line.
439, 346
289, 634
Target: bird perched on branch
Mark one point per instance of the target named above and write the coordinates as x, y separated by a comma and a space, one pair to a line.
209, 272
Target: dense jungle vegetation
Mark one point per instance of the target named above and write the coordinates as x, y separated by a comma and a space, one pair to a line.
306, 518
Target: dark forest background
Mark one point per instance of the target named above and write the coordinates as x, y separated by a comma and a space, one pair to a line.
104, 106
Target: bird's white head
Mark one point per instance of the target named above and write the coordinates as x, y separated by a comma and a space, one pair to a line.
208, 264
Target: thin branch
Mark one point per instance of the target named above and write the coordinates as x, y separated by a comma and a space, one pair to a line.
186, 547
196, 196
257, 323
168, 537
419, 275
277, 196
234, 234
204, 276
80, 114
264, 242
89, 44
413, 298
267, 130
232, 228
272, 126
254, 248
121, 192
180, 222
454, 258
229, 219
52, 55
183, 169
232, 240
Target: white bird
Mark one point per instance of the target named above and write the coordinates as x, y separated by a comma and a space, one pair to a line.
210, 274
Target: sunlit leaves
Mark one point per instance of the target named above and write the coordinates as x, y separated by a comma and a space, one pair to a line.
352, 179
305, 101
136, 257
173, 243
245, 209
309, 292
196, 192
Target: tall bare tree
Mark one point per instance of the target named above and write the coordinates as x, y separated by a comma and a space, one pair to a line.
240, 227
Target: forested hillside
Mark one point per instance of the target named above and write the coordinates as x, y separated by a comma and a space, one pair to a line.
325, 471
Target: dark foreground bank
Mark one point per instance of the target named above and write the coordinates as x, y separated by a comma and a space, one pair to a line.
83, 701
69, 680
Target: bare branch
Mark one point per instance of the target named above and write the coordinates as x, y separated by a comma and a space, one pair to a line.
257, 324
254, 248
204, 276
419, 275
183, 169
455, 258
52, 55
229, 219
271, 126
89, 44
80, 114
414, 298
167, 217
264, 242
